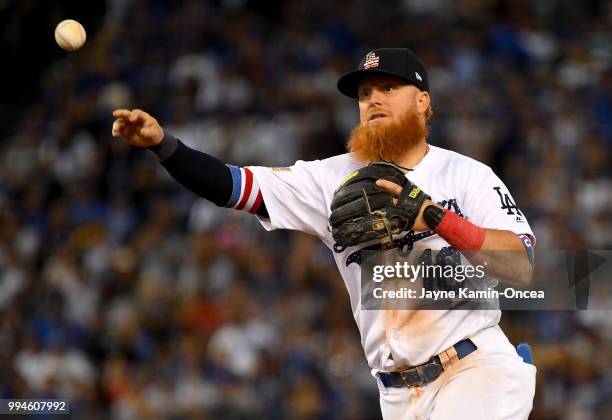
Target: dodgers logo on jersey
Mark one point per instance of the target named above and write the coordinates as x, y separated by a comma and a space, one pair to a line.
508, 205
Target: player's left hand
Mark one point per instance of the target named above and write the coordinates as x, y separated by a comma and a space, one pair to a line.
395, 189
361, 211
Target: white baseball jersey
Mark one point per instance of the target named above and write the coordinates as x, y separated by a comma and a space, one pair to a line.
299, 197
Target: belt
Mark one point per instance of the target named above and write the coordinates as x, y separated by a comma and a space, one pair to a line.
429, 371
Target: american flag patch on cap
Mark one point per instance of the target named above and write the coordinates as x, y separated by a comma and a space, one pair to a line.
371, 61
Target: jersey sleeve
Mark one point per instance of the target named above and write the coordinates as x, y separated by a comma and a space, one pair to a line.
489, 204
293, 197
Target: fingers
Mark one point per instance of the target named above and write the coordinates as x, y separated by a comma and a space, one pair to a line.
137, 127
392, 187
138, 116
133, 116
118, 127
121, 113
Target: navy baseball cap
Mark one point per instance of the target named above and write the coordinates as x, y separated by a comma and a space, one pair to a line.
399, 62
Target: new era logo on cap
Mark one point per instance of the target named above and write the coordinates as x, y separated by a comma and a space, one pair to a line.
418, 76
371, 61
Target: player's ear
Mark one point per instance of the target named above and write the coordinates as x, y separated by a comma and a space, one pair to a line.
422, 101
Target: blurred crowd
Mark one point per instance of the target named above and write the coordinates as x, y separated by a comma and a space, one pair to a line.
132, 297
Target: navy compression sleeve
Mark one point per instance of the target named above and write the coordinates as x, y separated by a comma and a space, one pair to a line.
201, 173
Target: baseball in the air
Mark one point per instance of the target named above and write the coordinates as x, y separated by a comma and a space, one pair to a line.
70, 35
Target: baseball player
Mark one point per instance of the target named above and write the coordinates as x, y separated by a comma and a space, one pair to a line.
429, 364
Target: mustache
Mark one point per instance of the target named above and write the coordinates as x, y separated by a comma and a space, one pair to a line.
375, 112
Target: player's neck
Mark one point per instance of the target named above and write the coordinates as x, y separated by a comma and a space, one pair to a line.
414, 155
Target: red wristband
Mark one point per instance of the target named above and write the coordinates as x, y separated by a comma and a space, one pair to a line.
460, 233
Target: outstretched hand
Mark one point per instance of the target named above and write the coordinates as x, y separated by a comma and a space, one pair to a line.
396, 190
137, 127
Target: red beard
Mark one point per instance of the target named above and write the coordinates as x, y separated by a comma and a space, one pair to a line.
389, 141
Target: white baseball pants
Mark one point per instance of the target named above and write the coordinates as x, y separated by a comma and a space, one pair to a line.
492, 383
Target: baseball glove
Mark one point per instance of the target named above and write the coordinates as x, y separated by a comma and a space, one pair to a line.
362, 211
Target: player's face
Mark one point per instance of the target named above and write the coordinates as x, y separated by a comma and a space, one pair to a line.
386, 99
392, 119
